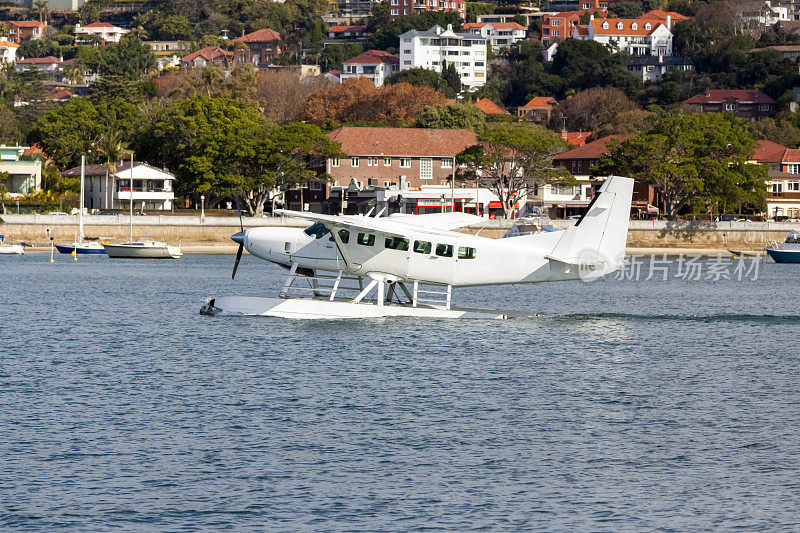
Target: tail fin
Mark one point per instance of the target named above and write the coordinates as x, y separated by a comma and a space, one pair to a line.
595, 245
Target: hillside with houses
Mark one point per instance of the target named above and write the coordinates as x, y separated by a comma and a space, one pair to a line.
498, 109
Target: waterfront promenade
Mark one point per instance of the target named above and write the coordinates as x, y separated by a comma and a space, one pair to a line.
212, 233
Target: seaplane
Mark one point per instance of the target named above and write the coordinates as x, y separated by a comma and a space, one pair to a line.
358, 266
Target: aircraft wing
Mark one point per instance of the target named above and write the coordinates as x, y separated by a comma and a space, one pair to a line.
367, 224
440, 221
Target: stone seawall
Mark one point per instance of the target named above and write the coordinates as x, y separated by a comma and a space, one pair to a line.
217, 230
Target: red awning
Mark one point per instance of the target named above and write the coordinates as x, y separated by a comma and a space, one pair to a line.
495, 205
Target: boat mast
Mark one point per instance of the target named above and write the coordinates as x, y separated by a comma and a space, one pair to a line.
80, 212
131, 187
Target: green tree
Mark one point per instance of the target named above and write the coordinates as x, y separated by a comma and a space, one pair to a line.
515, 159
129, 58
212, 144
475, 9
417, 76
39, 48
586, 64
284, 160
626, 10
452, 116
693, 158
524, 78
333, 56
452, 78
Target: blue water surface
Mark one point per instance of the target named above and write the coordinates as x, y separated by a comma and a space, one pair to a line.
627, 405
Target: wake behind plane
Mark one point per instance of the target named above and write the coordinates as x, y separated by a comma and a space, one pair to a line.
407, 265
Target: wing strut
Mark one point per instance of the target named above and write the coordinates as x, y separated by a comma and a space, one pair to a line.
340, 246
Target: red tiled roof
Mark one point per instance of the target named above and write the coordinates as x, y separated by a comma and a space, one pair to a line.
263, 35
26, 23
593, 150
743, 96
58, 94
495, 25
209, 54
541, 101
335, 72
791, 155
99, 25
342, 29
39, 60
662, 15
8, 44
365, 141
582, 30
489, 107
578, 138
375, 56
769, 152
627, 26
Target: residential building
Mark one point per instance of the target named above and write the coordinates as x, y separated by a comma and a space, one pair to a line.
559, 26
498, 34
563, 201
783, 186
404, 157
437, 47
760, 13
107, 33
24, 167
8, 51
652, 68
509, 17
351, 33
747, 104
490, 108
398, 8
375, 65
168, 53
22, 30
789, 51
539, 109
637, 37
263, 46
47, 64
110, 188
559, 6
301, 71
210, 55
576, 138
663, 16
54, 5
357, 8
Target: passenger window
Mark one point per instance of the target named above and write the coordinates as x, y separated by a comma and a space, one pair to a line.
466, 253
422, 247
444, 250
366, 239
396, 243
344, 235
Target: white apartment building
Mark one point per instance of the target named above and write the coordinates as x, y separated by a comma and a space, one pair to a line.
434, 47
499, 34
8, 51
107, 32
637, 37
376, 65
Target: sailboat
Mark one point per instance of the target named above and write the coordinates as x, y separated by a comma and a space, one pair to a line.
10, 249
79, 246
141, 249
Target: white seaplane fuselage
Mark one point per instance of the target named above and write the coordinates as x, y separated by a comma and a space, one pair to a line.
423, 249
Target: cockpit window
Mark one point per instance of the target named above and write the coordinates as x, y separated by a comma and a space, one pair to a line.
317, 230
366, 239
396, 243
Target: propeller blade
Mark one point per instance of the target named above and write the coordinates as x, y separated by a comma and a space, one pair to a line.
238, 258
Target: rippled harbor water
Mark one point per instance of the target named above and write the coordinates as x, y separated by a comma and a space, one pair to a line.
669, 405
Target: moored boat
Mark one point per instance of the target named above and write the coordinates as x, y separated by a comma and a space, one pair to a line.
10, 249
145, 249
79, 247
788, 252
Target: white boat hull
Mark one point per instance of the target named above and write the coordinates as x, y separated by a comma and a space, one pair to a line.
138, 251
12, 249
308, 308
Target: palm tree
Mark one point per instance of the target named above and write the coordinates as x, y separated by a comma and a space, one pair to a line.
109, 145
42, 10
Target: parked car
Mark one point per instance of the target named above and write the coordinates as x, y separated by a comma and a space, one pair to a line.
108, 212
59, 213
574, 217
731, 218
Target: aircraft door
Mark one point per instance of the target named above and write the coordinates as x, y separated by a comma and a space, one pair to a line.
431, 261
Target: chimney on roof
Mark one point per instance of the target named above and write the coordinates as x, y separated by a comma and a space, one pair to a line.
591, 18
449, 27
669, 22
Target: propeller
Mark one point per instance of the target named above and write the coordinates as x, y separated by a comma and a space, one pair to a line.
238, 237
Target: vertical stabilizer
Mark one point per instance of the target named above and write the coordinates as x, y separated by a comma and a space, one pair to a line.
596, 243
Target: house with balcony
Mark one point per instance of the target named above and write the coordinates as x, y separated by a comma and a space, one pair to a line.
8, 52
111, 188
783, 185
23, 30
98, 33
347, 33
47, 64
637, 37
168, 53
747, 104
498, 34
213, 55
24, 167
652, 68
262, 46
375, 65
563, 25
539, 109
437, 47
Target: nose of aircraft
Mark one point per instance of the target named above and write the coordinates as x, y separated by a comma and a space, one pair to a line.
238, 238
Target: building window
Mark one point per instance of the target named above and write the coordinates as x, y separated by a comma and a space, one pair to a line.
793, 168
447, 163
426, 168
764, 107
387, 161
335, 162
793, 186
605, 25
354, 161
777, 187
554, 22
730, 107
634, 26
395, 11
405, 162
647, 26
